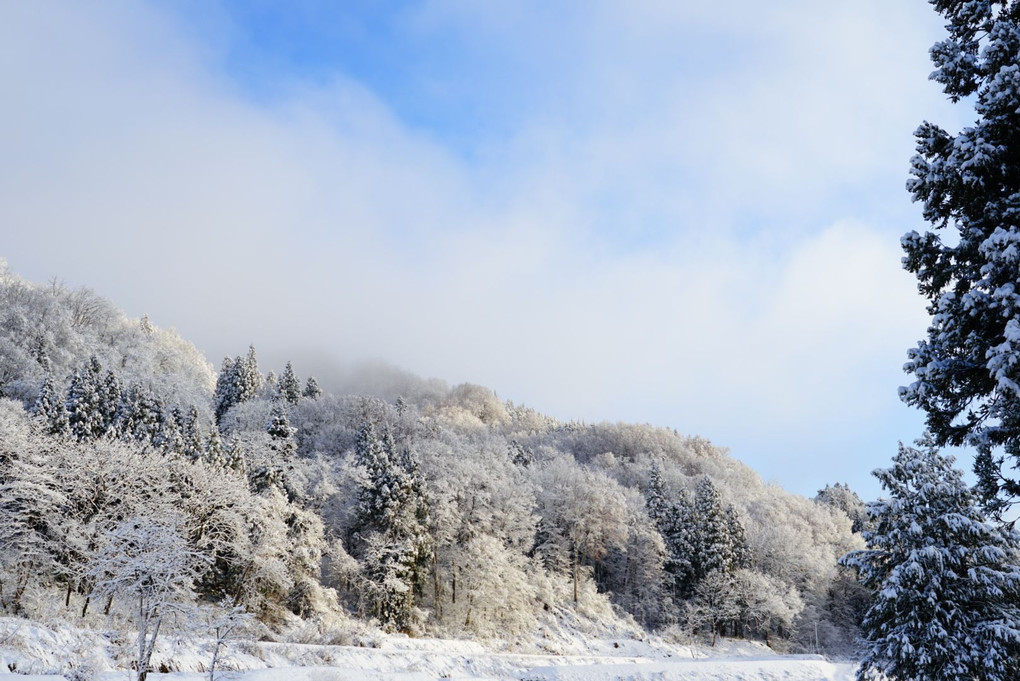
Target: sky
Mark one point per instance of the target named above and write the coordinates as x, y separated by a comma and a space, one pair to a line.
650, 211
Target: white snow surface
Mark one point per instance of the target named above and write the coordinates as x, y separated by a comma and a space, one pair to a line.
30, 650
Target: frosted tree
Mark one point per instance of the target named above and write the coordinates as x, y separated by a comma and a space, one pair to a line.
239, 380
673, 516
85, 406
271, 387
32, 525
249, 379
109, 399
192, 445
584, 512
279, 427
215, 453
225, 393
223, 621
148, 561
392, 528
169, 437
50, 407
946, 582
966, 372
140, 415
312, 390
719, 541
841, 497
289, 387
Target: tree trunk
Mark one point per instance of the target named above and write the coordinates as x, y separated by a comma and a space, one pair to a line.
576, 558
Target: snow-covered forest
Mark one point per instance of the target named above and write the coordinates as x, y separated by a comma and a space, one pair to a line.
140, 485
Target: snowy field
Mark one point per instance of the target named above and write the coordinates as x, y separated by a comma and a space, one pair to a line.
31, 651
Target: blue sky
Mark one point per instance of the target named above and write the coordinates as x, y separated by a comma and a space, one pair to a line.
644, 211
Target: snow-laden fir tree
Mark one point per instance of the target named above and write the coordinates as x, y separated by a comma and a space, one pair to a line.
391, 529
719, 541
192, 445
225, 393
841, 497
312, 390
215, 453
239, 380
946, 582
288, 385
50, 407
673, 516
109, 393
169, 437
85, 408
967, 373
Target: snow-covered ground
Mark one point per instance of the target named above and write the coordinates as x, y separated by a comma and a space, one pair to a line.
33, 651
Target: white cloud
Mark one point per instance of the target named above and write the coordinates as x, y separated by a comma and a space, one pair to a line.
648, 243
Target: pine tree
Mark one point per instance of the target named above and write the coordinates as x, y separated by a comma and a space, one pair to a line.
109, 400
673, 515
239, 380
192, 446
234, 455
967, 373
85, 406
392, 528
215, 454
225, 394
51, 408
946, 582
844, 499
312, 390
169, 437
40, 353
249, 380
290, 388
719, 543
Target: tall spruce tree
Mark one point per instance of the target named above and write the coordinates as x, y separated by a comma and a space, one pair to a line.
967, 370
946, 583
85, 406
50, 407
312, 390
391, 528
719, 541
673, 515
225, 394
289, 386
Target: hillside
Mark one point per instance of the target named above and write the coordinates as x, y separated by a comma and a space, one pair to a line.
421, 508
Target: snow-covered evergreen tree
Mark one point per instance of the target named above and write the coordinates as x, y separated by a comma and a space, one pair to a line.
51, 408
841, 497
673, 516
225, 394
719, 542
312, 390
192, 446
215, 453
239, 380
392, 528
85, 405
288, 385
109, 400
946, 582
967, 373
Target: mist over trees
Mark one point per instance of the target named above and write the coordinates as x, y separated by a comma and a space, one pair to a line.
423, 509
